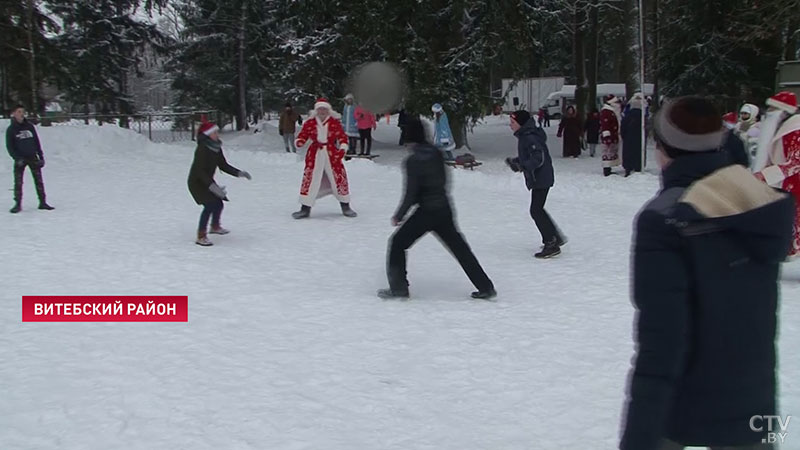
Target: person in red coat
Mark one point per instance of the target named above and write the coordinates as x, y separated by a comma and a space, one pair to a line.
324, 172
778, 158
609, 133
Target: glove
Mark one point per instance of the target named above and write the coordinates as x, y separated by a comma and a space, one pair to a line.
218, 190
244, 174
513, 163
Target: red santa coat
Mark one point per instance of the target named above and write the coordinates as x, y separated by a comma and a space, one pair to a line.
783, 169
324, 172
609, 136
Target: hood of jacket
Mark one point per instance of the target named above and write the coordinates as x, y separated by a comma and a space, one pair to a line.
729, 198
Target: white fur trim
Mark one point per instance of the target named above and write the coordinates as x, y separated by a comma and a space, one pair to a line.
322, 130
773, 175
322, 105
679, 139
606, 133
318, 189
344, 147
782, 106
790, 125
211, 130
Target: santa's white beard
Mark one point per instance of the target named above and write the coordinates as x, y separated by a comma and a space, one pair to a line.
769, 127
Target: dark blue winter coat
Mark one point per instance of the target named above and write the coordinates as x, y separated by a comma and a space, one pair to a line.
22, 142
534, 157
706, 263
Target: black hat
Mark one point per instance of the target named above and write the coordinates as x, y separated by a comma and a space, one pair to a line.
521, 116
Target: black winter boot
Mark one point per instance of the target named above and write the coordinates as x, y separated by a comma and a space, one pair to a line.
304, 212
388, 294
43, 205
550, 249
17, 208
606, 171
347, 211
487, 295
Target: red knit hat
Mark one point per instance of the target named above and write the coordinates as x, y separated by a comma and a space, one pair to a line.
322, 103
785, 101
207, 128
730, 119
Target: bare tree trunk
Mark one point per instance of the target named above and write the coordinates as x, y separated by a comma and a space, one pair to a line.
790, 45
656, 25
578, 51
592, 57
631, 64
241, 113
34, 106
4, 87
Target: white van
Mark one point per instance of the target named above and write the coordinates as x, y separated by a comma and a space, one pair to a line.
557, 102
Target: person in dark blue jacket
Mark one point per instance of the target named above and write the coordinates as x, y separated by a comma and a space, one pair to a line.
706, 262
534, 162
426, 187
24, 147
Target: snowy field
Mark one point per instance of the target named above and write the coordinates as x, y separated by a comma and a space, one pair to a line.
287, 346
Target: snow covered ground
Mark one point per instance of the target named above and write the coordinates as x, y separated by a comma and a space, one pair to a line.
287, 346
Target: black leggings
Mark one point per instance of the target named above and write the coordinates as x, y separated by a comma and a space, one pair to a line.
443, 225
543, 221
211, 209
366, 135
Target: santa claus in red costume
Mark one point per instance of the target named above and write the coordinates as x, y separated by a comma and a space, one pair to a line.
324, 173
778, 158
609, 133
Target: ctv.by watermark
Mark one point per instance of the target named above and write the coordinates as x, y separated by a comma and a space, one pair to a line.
775, 434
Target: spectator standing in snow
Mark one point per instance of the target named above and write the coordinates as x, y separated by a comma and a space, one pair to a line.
570, 129
350, 124
748, 127
22, 143
631, 130
540, 117
546, 117
706, 262
733, 145
609, 133
533, 160
442, 136
366, 123
208, 157
286, 126
426, 187
401, 123
593, 131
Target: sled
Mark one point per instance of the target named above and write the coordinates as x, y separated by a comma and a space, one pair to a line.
467, 165
369, 157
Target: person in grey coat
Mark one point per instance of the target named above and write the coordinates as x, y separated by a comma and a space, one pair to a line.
533, 160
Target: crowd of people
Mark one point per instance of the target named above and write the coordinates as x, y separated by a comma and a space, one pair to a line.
707, 250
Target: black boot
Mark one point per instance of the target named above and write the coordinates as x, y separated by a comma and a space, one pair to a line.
347, 211
17, 208
485, 295
388, 294
627, 173
606, 171
550, 249
304, 212
43, 205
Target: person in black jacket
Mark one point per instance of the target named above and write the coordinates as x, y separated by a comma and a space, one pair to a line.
706, 262
426, 187
593, 131
22, 143
205, 191
533, 160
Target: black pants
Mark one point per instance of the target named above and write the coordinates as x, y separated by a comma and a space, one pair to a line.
36, 171
543, 221
402, 134
443, 225
213, 210
352, 143
366, 136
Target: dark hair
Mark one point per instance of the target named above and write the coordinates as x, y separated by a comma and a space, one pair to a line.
572, 108
288, 105
414, 131
18, 106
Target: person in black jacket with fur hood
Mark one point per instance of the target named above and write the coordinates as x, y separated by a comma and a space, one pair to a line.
706, 262
426, 187
24, 147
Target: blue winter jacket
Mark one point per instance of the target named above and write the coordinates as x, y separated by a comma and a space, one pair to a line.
349, 120
534, 157
443, 137
22, 142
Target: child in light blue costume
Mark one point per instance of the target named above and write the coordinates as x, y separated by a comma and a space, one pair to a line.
349, 123
443, 137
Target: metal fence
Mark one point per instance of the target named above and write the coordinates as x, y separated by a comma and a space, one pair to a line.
158, 127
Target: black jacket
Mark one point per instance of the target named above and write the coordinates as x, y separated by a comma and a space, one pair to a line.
22, 142
631, 133
206, 161
426, 181
735, 149
706, 262
534, 157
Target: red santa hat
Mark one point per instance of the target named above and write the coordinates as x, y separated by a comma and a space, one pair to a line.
730, 119
611, 99
207, 128
785, 101
322, 103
